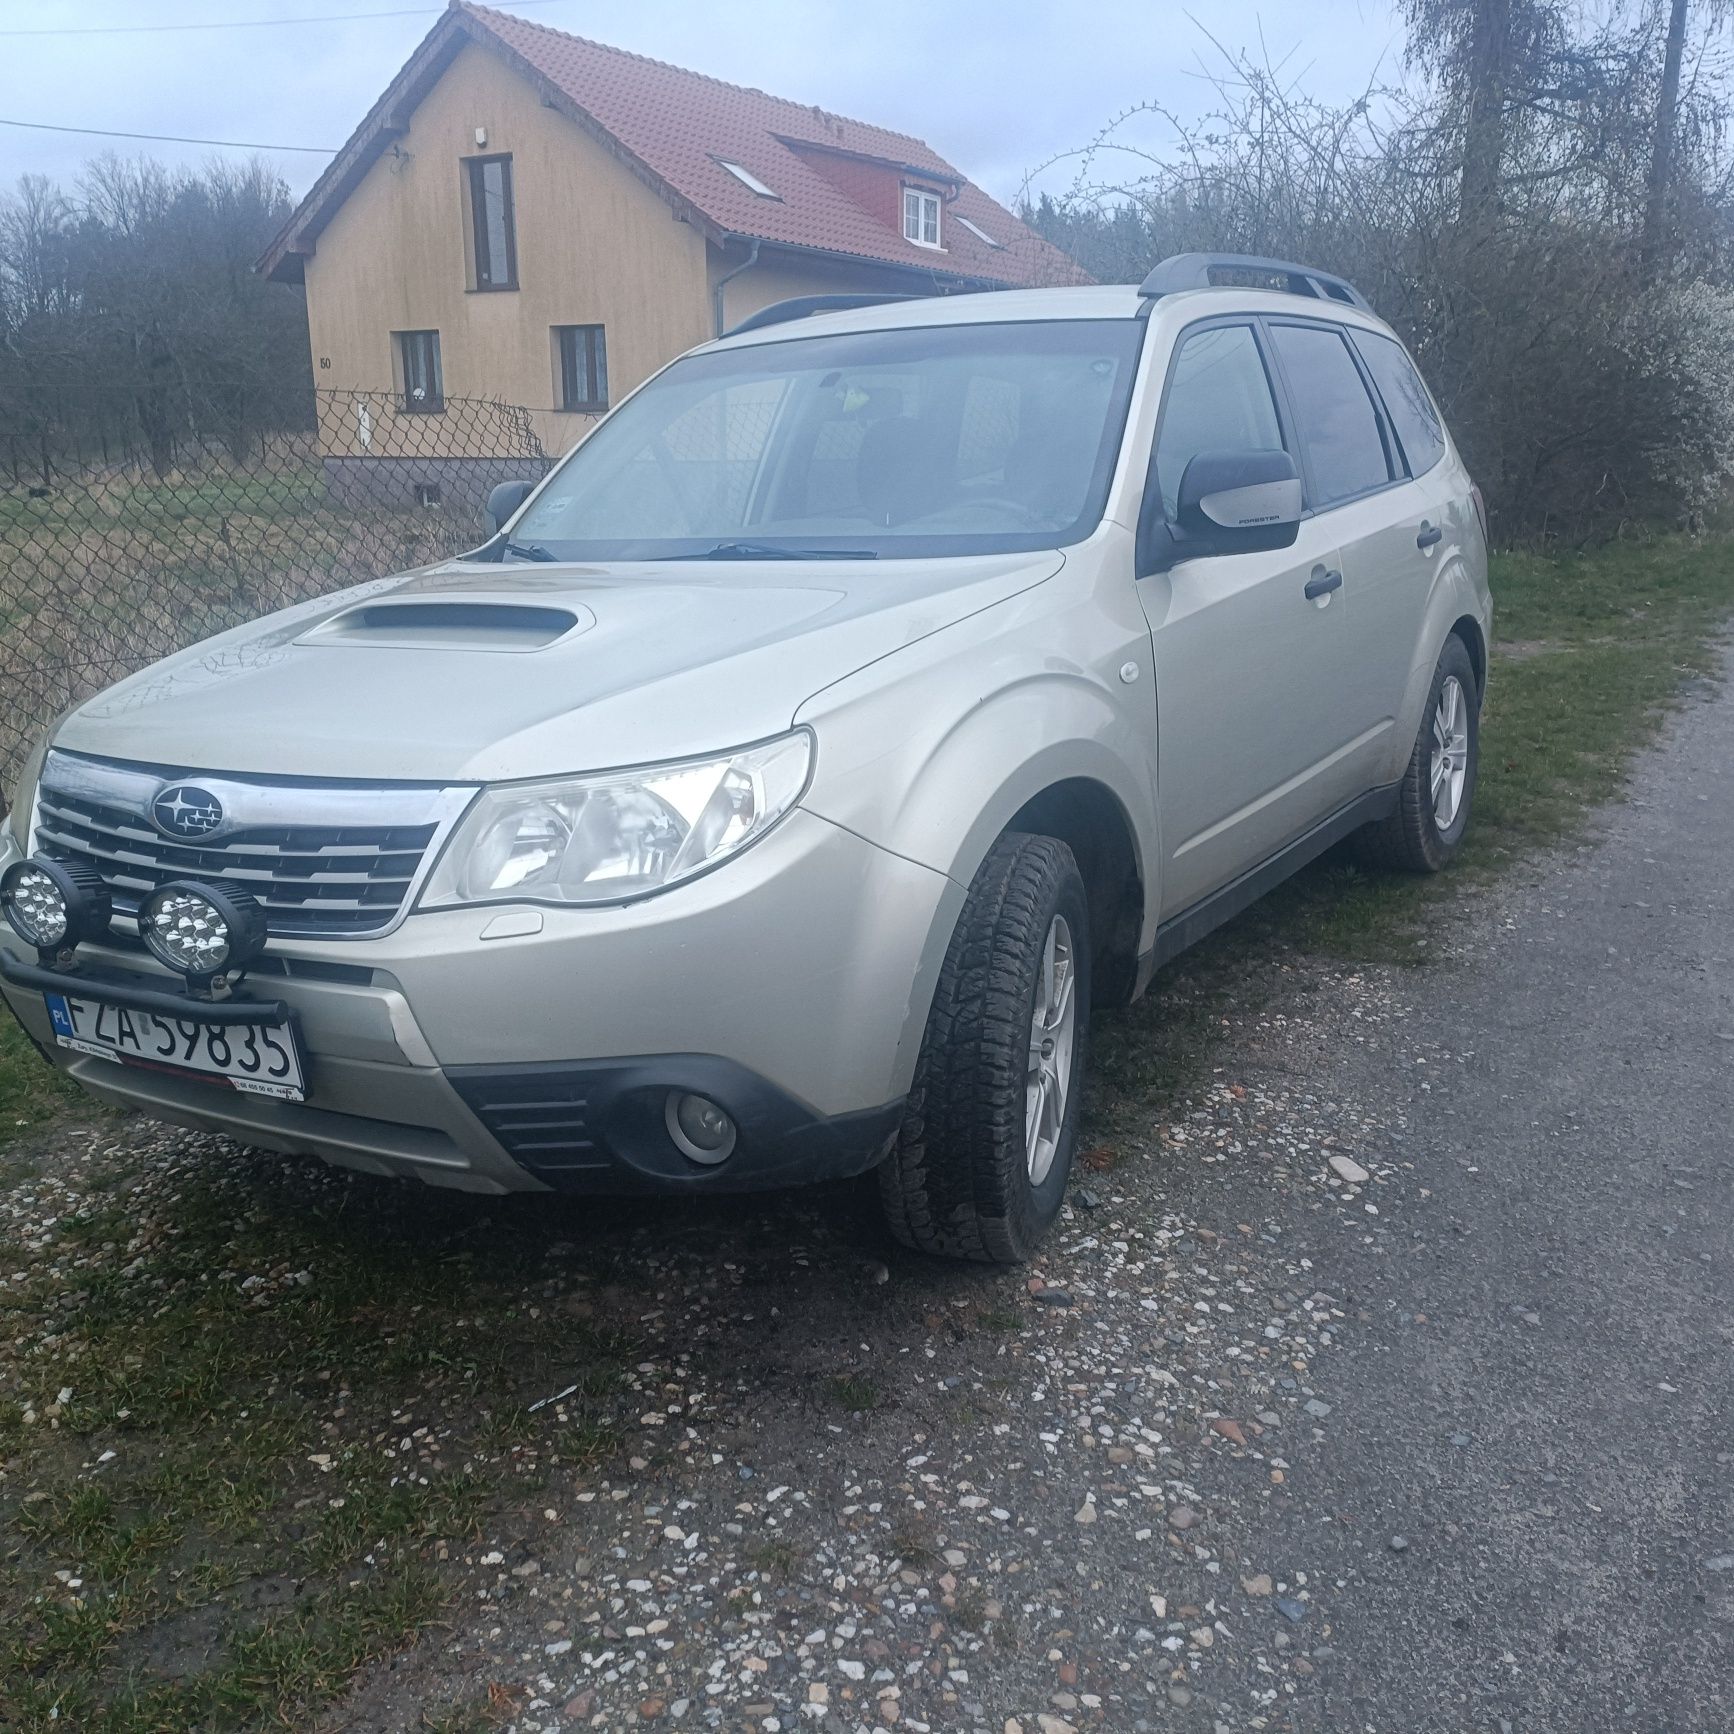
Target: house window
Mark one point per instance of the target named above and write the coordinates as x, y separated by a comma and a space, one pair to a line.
921, 217
581, 359
493, 232
421, 389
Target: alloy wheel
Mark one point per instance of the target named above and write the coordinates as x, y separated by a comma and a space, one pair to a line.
1450, 751
1053, 1042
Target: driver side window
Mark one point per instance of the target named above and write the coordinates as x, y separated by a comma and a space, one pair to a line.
1219, 399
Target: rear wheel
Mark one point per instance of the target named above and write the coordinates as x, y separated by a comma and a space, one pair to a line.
980, 1164
1438, 787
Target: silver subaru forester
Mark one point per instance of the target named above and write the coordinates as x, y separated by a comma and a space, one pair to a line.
872, 694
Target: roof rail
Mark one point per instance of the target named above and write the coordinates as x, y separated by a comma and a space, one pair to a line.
803, 306
1192, 271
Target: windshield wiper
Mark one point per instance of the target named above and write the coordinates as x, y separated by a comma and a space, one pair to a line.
529, 551
775, 551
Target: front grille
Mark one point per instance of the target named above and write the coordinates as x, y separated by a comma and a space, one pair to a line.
340, 879
351, 880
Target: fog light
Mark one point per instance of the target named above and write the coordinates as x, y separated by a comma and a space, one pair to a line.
701, 1131
54, 905
206, 934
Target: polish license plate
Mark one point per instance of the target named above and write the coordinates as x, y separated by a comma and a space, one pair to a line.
260, 1059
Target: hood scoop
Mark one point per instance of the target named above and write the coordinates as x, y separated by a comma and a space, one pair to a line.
451, 623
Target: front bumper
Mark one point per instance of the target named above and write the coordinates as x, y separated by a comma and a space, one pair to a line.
790, 985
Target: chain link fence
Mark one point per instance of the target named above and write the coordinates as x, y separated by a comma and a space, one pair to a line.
126, 535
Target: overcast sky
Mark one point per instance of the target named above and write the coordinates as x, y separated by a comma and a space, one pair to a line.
997, 86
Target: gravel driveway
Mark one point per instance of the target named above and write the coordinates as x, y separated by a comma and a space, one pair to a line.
1382, 1383
1386, 1386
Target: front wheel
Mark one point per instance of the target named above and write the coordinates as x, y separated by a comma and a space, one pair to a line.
1438, 787
980, 1164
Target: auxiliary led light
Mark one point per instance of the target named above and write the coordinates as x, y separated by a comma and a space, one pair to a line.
54, 905
205, 933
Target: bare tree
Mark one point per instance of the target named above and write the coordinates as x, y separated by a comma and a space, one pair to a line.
1476, 46
1499, 235
130, 313
1665, 132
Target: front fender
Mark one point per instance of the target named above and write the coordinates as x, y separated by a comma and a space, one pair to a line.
942, 793
932, 753
952, 787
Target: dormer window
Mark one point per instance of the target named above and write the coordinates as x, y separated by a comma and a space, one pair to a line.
921, 216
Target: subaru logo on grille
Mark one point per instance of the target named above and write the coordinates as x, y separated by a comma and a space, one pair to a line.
186, 810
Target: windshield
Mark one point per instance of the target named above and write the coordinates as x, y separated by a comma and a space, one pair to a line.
954, 439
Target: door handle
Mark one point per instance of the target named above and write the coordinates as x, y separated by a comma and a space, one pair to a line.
1322, 583
1430, 537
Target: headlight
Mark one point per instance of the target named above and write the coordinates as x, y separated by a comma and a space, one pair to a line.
625, 834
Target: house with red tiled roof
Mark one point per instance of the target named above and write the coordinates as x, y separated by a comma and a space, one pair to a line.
534, 218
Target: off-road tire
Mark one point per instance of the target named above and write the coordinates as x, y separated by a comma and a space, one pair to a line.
1410, 839
957, 1180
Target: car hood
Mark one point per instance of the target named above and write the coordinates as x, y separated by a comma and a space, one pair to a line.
480, 672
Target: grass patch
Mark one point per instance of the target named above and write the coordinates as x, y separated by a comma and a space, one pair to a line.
248, 1410
476, 1716
1607, 641
852, 1392
30, 1091
774, 1558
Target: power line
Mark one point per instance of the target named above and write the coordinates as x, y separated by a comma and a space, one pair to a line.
169, 138
237, 24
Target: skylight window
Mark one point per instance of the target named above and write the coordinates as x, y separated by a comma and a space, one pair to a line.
980, 234
748, 179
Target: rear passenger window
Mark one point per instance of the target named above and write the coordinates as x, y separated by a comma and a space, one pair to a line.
1338, 425
1219, 400
1406, 401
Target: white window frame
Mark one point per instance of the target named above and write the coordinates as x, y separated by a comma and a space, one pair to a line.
982, 234
925, 199
747, 179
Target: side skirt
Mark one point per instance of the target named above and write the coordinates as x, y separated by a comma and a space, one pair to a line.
1208, 913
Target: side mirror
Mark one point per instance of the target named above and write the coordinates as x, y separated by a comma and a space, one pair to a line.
504, 498
1239, 502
